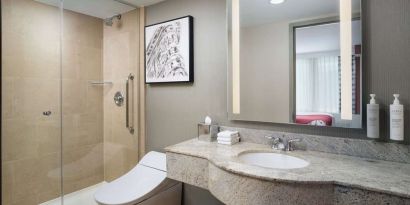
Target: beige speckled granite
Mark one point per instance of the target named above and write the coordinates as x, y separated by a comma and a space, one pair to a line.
246, 190
325, 169
365, 148
351, 196
188, 169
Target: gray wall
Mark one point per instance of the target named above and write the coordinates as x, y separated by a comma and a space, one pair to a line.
387, 68
174, 110
264, 49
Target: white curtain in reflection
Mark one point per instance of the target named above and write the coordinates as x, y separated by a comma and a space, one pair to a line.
317, 84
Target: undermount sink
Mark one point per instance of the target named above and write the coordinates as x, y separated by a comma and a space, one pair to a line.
273, 160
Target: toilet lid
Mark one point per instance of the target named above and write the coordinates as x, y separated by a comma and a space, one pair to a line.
156, 160
135, 186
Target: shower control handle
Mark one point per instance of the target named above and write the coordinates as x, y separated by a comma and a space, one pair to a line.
47, 113
118, 99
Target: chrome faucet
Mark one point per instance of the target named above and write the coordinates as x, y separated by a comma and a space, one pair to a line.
289, 144
277, 143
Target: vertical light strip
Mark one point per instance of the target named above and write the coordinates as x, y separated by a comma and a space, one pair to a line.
236, 98
346, 58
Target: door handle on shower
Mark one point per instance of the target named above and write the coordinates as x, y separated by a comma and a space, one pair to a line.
47, 113
129, 102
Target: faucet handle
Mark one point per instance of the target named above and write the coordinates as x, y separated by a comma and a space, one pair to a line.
289, 146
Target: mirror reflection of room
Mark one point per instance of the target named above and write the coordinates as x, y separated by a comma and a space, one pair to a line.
318, 75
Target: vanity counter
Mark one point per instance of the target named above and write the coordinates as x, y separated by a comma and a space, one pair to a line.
325, 169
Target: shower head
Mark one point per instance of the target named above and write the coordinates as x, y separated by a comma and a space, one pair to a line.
110, 21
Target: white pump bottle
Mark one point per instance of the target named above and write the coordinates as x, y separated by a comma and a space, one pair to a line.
396, 120
373, 118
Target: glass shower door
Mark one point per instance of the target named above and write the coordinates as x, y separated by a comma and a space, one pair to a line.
62, 134
100, 49
82, 106
31, 102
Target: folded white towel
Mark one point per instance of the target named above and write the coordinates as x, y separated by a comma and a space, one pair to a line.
228, 139
228, 133
227, 143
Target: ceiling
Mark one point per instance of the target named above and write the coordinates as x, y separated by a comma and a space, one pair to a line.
101, 8
323, 38
257, 12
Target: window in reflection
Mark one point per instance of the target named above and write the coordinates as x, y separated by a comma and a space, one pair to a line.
319, 75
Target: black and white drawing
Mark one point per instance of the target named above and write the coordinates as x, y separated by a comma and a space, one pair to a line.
169, 51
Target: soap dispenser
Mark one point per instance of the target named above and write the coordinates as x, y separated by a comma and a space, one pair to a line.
373, 130
396, 120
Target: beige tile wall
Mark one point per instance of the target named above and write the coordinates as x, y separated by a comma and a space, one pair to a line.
82, 103
121, 54
31, 85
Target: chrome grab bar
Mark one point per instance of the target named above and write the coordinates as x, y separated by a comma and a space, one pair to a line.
127, 106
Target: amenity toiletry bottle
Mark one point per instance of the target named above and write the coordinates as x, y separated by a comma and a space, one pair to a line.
373, 118
396, 120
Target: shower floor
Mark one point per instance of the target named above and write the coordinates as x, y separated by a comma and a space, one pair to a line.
83, 197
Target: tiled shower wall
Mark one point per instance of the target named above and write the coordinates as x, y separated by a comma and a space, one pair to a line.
82, 102
121, 57
31, 84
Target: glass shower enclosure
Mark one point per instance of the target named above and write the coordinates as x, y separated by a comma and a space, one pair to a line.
31, 102
61, 132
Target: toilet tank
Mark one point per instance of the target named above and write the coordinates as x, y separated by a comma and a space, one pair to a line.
156, 160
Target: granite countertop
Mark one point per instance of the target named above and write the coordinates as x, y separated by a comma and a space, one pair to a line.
373, 175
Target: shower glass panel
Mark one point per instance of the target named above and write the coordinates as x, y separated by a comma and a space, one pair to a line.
82, 105
100, 49
31, 102
62, 135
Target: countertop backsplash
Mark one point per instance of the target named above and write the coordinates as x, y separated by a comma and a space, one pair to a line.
346, 146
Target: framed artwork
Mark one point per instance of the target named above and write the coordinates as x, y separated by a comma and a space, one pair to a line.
169, 53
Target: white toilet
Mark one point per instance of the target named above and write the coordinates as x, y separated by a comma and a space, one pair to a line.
145, 184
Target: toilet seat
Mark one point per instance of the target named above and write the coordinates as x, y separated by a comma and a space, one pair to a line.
143, 181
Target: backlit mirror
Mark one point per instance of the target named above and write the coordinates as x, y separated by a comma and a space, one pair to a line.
293, 61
